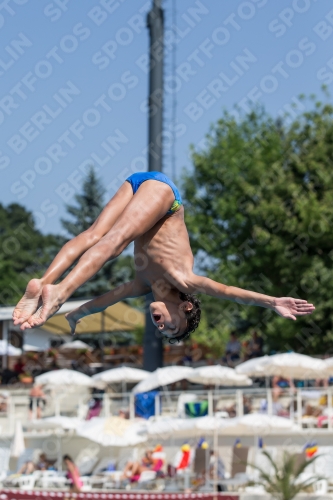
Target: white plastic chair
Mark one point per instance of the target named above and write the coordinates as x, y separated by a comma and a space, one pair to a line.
113, 480
320, 487
4, 463
29, 481
86, 483
184, 398
54, 480
28, 455
102, 464
324, 463
87, 460
87, 466
99, 475
147, 476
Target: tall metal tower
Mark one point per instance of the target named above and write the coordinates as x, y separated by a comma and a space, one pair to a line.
153, 348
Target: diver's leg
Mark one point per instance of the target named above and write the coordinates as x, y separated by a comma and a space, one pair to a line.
71, 251
150, 203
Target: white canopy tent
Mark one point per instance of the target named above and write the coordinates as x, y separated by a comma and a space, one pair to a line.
6, 314
8, 349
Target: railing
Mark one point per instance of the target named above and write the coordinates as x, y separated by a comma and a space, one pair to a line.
296, 404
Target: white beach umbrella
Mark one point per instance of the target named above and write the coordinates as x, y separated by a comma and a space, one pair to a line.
254, 367
185, 428
32, 348
113, 431
64, 377
168, 428
329, 366
288, 365
75, 345
9, 349
163, 376
18, 445
211, 424
121, 374
294, 365
247, 425
53, 423
218, 375
250, 424
256, 423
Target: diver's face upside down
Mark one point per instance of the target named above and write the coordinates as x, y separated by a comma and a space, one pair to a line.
169, 317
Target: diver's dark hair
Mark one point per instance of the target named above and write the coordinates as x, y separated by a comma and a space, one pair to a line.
192, 316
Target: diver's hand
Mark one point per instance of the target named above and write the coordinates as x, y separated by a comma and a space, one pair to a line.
289, 308
74, 318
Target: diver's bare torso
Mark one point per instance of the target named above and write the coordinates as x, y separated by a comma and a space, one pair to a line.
163, 256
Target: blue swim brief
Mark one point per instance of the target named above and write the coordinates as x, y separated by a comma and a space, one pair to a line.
137, 179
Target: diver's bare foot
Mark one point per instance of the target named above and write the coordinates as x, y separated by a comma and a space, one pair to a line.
51, 298
73, 318
29, 302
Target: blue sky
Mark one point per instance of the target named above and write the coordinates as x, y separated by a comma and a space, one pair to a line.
74, 84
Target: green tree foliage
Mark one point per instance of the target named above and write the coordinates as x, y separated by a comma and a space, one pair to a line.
259, 212
24, 252
287, 479
89, 204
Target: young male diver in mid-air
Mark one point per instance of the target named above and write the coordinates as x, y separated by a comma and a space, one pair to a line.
148, 210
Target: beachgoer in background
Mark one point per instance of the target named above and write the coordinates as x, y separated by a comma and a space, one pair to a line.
233, 350
37, 401
123, 413
255, 346
95, 403
43, 463
27, 468
73, 474
135, 468
218, 468
4, 400
19, 366
280, 383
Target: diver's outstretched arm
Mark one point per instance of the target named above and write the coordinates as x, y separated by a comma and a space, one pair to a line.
287, 307
128, 290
